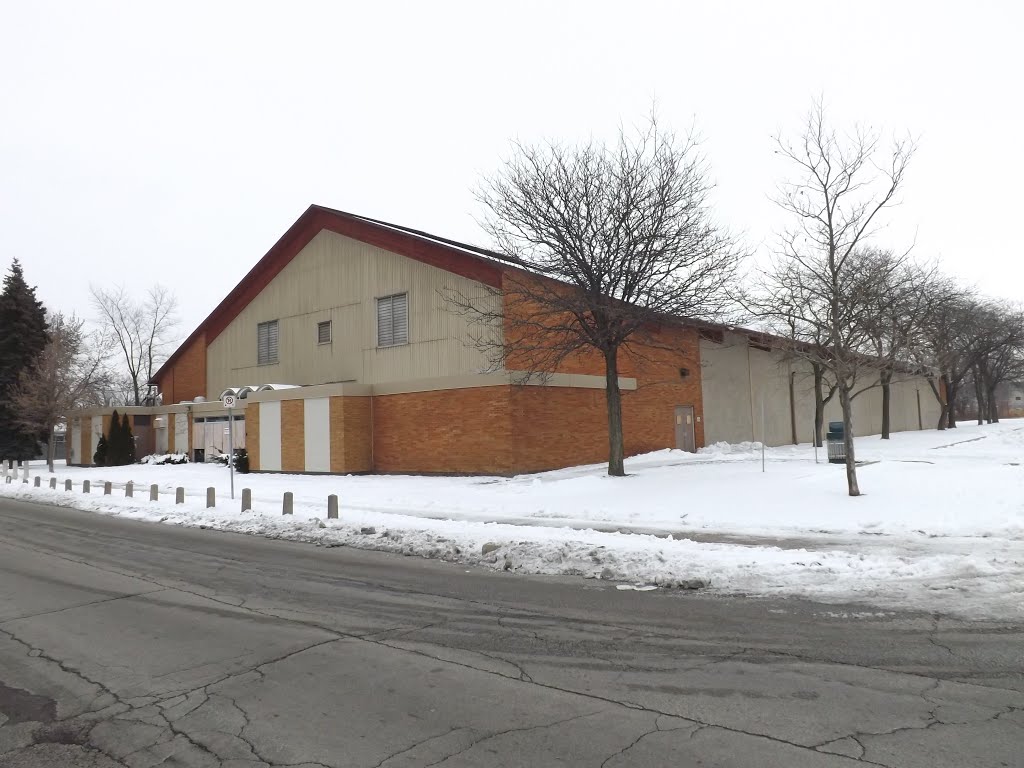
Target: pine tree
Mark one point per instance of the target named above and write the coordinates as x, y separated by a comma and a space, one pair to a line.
114, 442
22, 339
102, 452
127, 441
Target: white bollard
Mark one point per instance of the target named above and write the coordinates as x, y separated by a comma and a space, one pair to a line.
154, 492
85, 486
211, 497
129, 489
107, 488
179, 495
246, 499
286, 508
53, 483
67, 485
332, 507
37, 481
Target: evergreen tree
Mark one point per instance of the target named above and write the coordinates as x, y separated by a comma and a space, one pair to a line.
102, 452
22, 339
114, 442
127, 441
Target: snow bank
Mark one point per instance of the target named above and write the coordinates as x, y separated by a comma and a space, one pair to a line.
940, 528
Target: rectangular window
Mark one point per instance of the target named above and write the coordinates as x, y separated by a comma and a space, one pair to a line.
323, 332
393, 320
266, 343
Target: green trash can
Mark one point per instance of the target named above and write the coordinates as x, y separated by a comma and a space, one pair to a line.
835, 440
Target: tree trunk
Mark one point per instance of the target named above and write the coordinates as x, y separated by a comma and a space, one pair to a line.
51, 448
942, 403
851, 461
886, 379
993, 407
979, 397
950, 402
819, 404
616, 464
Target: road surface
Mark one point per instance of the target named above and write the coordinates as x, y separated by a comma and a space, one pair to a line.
133, 644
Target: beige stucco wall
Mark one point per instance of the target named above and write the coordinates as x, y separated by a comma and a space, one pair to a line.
338, 279
736, 378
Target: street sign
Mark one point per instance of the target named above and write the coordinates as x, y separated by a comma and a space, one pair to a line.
228, 401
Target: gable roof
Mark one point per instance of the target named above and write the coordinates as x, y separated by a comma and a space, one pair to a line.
469, 261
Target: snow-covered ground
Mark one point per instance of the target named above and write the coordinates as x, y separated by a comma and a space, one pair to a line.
940, 527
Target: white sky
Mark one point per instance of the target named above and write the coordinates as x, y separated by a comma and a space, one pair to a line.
175, 142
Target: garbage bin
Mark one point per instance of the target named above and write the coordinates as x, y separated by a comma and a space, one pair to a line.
835, 440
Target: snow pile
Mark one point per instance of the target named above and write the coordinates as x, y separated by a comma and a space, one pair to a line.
164, 458
940, 528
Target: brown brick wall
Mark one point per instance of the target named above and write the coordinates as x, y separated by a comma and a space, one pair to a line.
351, 435
85, 441
252, 435
293, 436
186, 378
448, 431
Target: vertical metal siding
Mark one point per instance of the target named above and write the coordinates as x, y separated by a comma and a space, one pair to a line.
339, 279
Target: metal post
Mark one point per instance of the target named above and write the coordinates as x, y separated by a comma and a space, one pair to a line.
231, 448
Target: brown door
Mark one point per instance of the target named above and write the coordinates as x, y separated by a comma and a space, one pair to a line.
684, 428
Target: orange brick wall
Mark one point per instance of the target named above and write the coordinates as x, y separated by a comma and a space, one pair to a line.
351, 434
85, 441
448, 431
252, 435
186, 379
293, 436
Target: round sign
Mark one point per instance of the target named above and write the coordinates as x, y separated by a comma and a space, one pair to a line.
229, 401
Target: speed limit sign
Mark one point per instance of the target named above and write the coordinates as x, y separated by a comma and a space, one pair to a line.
228, 401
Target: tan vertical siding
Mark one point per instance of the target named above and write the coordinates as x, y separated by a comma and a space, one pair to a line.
339, 279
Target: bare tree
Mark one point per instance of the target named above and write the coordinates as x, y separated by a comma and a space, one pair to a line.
895, 318
948, 348
607, 242
999, 348
818, 285
66, 375
141, 331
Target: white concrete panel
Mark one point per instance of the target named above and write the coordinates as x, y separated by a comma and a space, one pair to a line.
317, 420
160, 445
270, 436
76, 444
181, 433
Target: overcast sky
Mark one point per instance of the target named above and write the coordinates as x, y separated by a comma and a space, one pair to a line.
175, 142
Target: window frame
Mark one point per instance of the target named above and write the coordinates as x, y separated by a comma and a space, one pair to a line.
330, 332
276, 348
377, 304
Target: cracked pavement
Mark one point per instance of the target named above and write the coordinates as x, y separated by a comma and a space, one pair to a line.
138, 645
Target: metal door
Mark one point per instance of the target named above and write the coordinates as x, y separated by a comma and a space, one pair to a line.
685, 439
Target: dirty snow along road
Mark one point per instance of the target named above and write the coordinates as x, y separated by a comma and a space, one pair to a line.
941, 527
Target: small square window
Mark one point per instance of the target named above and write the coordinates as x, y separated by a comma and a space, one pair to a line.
393, 320
323, 332
266, 343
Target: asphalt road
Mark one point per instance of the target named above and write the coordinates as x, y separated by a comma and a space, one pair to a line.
133, 644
